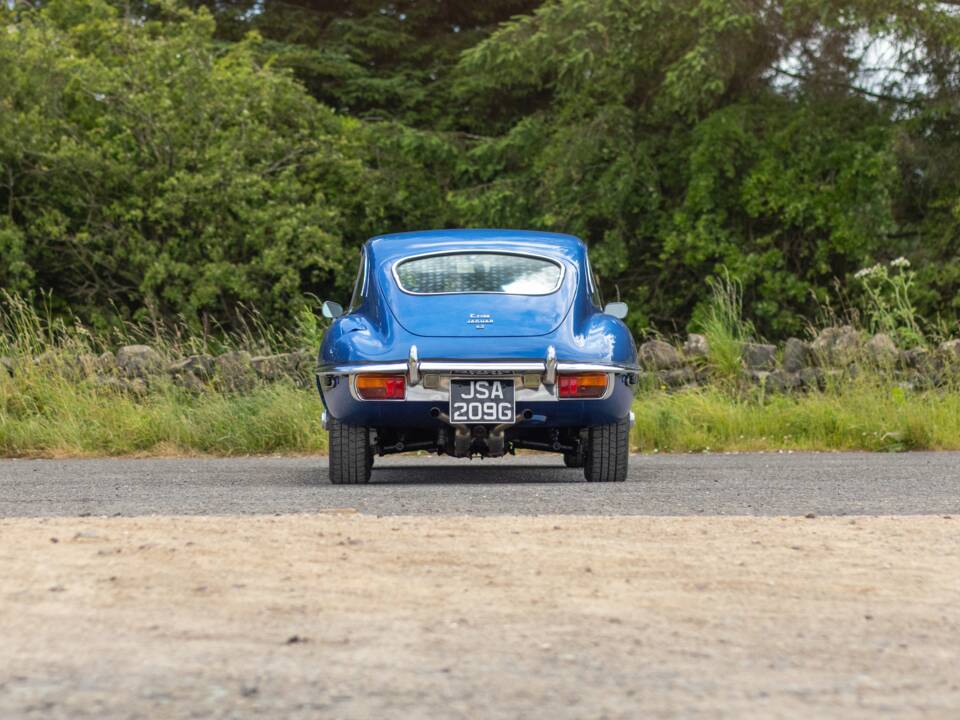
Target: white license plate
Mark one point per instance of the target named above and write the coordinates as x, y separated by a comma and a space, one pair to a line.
482, 401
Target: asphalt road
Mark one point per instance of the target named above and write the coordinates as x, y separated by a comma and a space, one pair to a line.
747, 484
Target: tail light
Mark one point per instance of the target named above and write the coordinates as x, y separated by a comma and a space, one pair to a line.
381, 387
583, 385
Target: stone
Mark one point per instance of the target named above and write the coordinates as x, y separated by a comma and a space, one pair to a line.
921, 360
757, 356
660, 355
781, 381
703, 374
756, 377
304, 367
837, 345
909, 359
189, 382
7, 365
950, 349
796, 355
811, 378
138, 361
135, 386
696, 347
234, 371
274, 367
677, 378
79, 367
72, 366
881, 350
105, 364
200, 366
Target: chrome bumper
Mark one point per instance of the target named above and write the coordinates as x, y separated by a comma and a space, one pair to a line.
414, 368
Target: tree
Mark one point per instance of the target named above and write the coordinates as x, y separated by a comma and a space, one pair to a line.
147, 170
678, 137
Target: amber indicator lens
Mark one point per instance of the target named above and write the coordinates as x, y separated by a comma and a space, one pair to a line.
381, 387
586, 385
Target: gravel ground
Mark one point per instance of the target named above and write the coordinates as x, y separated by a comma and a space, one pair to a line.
759, 484
351, 616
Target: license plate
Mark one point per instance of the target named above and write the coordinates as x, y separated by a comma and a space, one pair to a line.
482, 401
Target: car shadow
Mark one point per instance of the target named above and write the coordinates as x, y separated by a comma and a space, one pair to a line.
474, 475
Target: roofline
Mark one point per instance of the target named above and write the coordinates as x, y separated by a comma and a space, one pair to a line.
495, 233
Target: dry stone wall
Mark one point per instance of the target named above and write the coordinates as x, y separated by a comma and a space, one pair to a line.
836, 354
134, 368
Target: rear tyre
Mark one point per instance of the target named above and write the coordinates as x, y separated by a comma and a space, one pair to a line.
351, 455
608, 450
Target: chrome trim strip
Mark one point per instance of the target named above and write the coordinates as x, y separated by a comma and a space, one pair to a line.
479, 251
594, 367
480, 366
398, 367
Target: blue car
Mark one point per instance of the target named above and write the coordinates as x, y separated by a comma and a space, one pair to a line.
477, 342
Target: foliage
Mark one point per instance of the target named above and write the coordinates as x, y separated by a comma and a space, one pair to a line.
178, 160
889, 307
44, 414
724, 326
869, 414
148, 173
53, 405
679, 137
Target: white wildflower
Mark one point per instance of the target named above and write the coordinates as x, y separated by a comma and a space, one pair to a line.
867, 272
900, 262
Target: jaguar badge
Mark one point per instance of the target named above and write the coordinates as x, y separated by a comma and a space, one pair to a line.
479, 320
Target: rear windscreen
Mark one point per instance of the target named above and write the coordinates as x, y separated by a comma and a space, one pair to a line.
478, 273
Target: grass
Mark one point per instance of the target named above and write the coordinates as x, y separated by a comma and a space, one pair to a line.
44, 412
724, 327
46, 415
863, 416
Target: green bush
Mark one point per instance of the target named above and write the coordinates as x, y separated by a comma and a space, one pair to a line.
154, 173
174, 164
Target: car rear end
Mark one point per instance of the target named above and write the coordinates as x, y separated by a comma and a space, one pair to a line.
492, 361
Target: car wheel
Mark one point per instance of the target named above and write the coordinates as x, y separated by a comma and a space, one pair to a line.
573, 459
351, 456
608, 449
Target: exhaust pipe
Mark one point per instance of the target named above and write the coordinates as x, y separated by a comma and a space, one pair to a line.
461, 438
495, 441
525, 415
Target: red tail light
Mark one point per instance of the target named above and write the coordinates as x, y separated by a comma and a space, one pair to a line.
381, 387
584, 385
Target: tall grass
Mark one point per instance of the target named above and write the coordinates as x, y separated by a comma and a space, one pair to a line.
864, 415
45, 416
53, 405
724, 327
